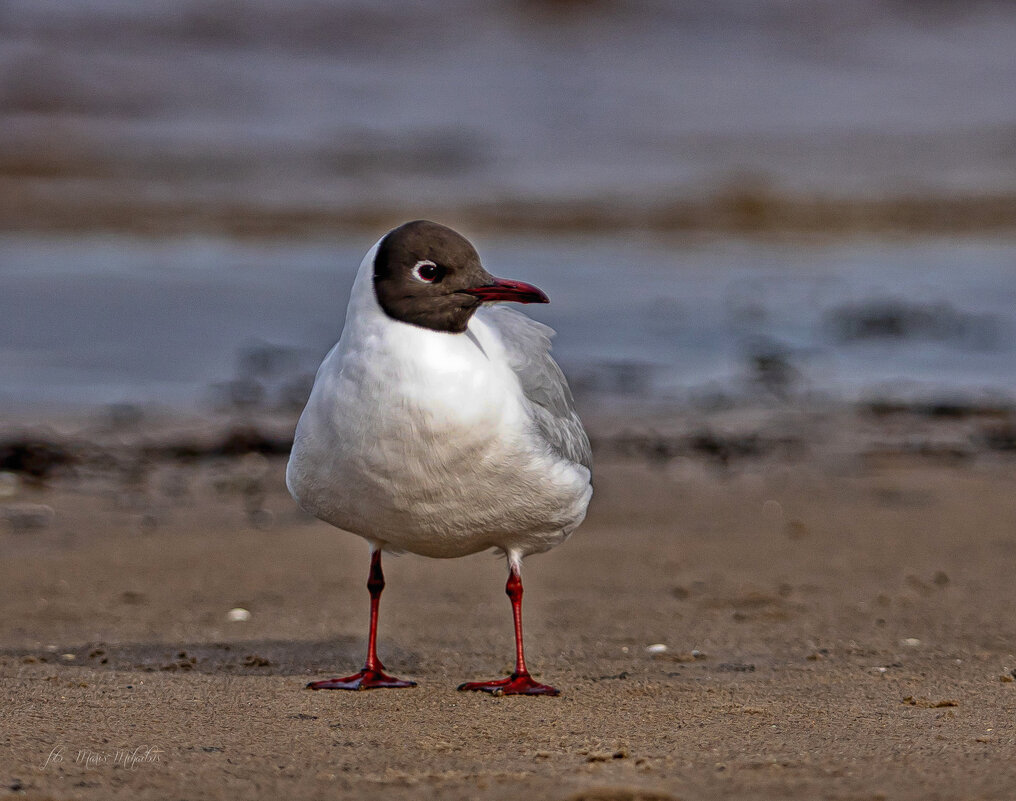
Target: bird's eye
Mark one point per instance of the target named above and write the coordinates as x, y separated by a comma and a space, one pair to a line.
428, 272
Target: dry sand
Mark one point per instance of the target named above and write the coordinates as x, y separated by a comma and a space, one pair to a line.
838, 622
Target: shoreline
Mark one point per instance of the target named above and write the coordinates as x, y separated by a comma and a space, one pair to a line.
748, 212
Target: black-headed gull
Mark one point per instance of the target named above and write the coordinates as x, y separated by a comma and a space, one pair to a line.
441, 425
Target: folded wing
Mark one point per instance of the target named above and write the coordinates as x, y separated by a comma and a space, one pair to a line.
527, 344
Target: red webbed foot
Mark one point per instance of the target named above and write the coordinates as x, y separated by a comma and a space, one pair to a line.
516, 684
364, 680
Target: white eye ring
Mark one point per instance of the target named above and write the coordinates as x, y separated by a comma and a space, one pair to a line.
420, 276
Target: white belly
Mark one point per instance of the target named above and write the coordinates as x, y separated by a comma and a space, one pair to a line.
421, 440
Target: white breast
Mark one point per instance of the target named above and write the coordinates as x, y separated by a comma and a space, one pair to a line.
422, 440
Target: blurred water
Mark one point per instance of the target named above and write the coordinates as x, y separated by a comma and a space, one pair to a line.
318, 124
214, 115
109, 319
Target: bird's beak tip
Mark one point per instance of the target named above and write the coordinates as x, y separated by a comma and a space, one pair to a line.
504, 289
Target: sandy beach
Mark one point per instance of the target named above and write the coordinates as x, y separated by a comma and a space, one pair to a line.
829, 595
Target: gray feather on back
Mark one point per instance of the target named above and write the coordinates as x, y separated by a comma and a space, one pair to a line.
527, 344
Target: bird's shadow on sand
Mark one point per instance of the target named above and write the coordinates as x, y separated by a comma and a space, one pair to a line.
238, 658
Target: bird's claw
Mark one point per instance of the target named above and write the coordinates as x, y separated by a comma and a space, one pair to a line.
516, 684
364, 680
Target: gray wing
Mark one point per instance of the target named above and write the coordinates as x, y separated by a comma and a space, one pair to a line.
527, 344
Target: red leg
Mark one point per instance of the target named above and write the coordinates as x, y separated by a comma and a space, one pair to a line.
520, 682
373, 675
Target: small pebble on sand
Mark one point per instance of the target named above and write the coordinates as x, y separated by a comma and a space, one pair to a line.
9, 484
238, 615
656, 648
773, 510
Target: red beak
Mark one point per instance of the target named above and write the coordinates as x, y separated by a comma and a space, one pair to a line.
503, 289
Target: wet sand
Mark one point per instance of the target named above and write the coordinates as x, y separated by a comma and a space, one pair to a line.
837, 612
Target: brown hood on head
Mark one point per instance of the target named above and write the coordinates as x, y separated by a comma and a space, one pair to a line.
428, 275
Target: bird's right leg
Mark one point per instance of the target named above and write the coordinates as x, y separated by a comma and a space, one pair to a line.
520, 682
373, 675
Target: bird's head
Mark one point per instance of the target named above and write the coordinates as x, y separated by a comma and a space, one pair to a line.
428, 275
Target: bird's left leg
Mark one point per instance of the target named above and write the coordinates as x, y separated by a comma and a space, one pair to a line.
520, 682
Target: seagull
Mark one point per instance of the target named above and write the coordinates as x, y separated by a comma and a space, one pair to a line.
440, 425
